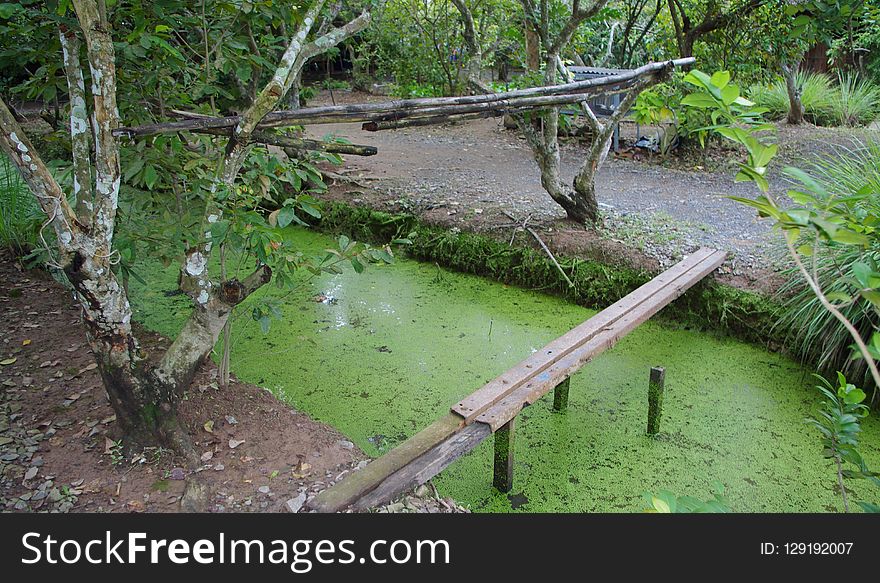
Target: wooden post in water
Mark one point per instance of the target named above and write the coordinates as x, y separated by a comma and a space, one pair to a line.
503, 470
560, 395
655, 399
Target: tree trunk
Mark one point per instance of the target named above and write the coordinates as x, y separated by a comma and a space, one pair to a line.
533, 49
145, 406
143, 394
795, 105
585, 194
580, 207
687, 48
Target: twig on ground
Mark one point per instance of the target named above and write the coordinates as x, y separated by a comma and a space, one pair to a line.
542, 244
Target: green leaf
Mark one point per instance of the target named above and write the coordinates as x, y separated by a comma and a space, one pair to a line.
729, 94
872, 296
849, 237
218, 231
150, 176
133, 168
838, 296
310, 210
701, 100
720, 79
8, 10
357, 265
660, 505
854, 397
286, 215
862, 272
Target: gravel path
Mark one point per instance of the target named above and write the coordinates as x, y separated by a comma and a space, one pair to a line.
481, 167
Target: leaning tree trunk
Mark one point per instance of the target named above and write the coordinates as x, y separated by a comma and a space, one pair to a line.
542, 135
795, 105
473, 70
600, 143
143, 393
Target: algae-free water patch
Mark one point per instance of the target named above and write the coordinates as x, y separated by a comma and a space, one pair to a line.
382, 354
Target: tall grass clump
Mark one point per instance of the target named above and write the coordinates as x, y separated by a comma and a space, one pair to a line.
20, 216
851, 101
817, 93
814, 335
855, 101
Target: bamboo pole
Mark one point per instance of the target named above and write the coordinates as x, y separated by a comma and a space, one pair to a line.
300, 143
376, 126
426, 106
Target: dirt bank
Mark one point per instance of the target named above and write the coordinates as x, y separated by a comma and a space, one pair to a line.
58, 434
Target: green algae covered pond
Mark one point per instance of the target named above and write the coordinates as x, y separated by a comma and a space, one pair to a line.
382, 354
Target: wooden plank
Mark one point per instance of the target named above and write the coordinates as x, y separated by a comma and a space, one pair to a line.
360, 483
536, 386
477, 402
430, 451
425, 467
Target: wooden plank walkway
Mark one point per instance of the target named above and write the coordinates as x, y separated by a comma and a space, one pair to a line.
498, 402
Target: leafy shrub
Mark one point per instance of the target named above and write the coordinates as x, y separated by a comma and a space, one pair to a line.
20, 216
336, 85
413, 90
815, 335
839, 422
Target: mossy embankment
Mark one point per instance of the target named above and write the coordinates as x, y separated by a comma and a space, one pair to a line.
710, 305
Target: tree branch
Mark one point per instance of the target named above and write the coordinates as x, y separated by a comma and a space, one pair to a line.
41, 182
329, 40
79, 126
278, 86
99, 46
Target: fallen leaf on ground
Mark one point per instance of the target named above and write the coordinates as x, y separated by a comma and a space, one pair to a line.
233, 443
209, 426
8, 361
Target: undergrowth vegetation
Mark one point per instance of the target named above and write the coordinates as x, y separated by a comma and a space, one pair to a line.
848, 100
815, 335
20, 216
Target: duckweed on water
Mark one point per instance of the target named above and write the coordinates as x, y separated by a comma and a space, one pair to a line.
382, 354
